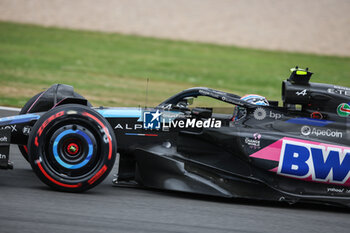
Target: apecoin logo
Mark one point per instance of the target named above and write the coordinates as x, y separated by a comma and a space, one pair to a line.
307, 131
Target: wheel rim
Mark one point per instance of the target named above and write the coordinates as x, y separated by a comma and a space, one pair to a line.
68, 148
72, 148
72, 151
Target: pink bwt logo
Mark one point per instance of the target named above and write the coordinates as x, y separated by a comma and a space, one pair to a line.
308, 160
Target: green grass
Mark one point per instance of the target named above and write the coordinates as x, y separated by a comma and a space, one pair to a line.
112, 69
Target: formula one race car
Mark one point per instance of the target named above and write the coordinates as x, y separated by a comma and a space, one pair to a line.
295, 151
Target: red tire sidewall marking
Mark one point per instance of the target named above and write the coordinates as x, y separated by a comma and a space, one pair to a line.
55, 181
45, 123
106, 132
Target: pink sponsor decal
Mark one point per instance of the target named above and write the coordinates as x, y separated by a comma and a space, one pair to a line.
275, 152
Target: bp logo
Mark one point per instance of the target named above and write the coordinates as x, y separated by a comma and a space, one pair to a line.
260, 114
343, 110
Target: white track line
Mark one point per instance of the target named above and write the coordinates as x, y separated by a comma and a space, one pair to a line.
10, 109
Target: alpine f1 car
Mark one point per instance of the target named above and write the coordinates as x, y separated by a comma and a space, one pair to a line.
298, 150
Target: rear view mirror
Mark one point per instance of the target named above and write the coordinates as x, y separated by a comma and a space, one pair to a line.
189, 100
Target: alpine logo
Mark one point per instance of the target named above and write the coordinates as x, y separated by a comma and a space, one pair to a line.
303, 92
316, 162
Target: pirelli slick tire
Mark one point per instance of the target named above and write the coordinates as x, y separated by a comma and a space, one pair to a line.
72, 148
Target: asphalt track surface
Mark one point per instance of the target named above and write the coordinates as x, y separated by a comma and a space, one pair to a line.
27, 205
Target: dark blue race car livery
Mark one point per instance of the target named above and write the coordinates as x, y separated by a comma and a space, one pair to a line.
298, 150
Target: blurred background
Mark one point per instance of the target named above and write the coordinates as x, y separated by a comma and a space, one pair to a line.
108, 49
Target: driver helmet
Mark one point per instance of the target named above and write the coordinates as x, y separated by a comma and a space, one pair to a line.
240, 112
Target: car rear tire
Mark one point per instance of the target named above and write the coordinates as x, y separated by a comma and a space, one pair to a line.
72, 148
